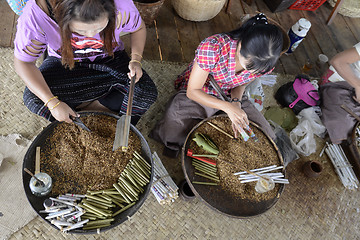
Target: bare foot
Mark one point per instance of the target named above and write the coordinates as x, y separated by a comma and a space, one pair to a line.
94, 106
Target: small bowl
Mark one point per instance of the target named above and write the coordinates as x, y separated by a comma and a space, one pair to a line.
312, 169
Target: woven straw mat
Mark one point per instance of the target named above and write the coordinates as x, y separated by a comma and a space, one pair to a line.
319, 208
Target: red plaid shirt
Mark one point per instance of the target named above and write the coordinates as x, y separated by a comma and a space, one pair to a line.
216, 55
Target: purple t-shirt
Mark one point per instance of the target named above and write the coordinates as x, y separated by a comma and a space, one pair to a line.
35, 24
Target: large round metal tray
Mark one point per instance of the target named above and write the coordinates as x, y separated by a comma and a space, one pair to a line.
218, 199
37, 202
354, 154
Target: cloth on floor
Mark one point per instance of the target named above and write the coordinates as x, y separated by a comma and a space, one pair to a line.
15, 211
337, 121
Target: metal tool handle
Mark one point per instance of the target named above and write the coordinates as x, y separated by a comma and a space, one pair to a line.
217, 88
131, 95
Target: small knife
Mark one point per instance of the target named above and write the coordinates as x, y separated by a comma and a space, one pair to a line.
78, 122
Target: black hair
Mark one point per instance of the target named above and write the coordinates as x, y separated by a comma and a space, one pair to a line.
261, 43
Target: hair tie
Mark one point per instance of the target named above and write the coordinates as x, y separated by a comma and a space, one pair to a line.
260, 19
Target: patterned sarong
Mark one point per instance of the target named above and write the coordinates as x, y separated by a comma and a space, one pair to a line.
89, 81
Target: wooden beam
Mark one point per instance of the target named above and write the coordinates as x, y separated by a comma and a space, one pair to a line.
334, 11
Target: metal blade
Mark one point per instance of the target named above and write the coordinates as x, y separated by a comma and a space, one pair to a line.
123, 124
78, 122
122, 133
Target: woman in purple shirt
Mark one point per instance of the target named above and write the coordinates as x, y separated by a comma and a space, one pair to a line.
87, 67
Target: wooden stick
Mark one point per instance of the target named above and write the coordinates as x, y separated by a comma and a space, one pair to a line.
37, 160
334, 11
220, 130
350, 112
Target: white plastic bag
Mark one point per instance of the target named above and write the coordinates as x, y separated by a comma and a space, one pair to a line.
256, 93
302, 136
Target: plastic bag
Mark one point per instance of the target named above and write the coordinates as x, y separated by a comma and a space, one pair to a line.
302, 136
256, 93
283, 143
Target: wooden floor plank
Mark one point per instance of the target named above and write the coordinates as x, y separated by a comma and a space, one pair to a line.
168, 36
151, 51
205, 29
6, 24
353, 24
249, 9
236, 12
164, 40
289, 62
321, 33
222, 22
312, 50
339, 30
188, 36
219, 24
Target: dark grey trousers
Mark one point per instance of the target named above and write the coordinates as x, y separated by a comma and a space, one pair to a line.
182, 114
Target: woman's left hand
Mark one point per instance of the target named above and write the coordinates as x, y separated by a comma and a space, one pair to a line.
135, 68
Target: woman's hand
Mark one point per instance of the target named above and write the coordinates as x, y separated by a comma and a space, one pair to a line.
357, 94
237, 116
62, 111
135, 68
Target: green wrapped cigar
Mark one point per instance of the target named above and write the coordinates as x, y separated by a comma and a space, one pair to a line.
134, 183
142, 160
90, 210
206, 173
128, 184
121, 192
96, 209
208, 177
134, 176
99, 222
205, 183
204, 163
88, 217
97, 199
141, 168
130, 188
104, 197
94, 192
205, 169
96, 226
110, 192
118, 203
117, 198
126, 192
95, 204
123, 209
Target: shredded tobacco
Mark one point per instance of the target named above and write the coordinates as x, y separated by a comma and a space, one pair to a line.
236, 154
78, 160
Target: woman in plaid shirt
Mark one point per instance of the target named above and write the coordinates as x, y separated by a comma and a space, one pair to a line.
233, 59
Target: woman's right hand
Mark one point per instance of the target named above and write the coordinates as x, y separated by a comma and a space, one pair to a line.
237, 116
62, 112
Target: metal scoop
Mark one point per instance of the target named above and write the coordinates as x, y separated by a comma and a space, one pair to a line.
123, 124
